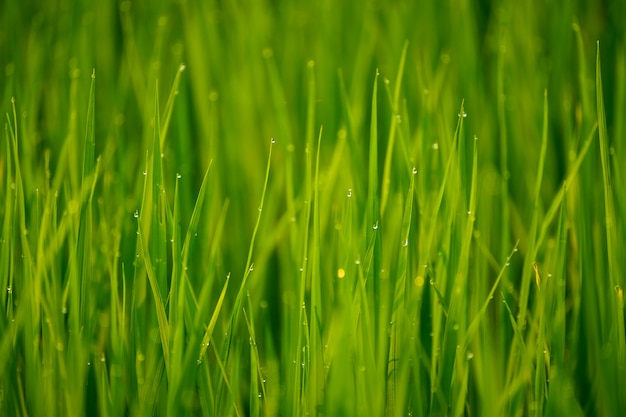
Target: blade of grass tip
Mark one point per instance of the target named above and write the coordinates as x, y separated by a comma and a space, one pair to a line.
7, 247
176, 309
440, 369
169, 105
195, 216
372, 222
298, 375
384, 193
456, 367
32, 321
609, 206
158, 236
249, 265
539, 388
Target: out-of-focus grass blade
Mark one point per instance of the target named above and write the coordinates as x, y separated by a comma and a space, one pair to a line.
395, 114
615, 278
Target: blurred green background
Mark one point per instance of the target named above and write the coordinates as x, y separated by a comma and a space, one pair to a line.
246, 79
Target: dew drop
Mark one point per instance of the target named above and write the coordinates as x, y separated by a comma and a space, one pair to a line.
178, 176
9, 290
273, 140
414, 170
349, 192
145, 173
405, 243
435, 146
462, 114
199, 361
259, 395
375, 226
136, 214
470, 356
251, 267
182, 67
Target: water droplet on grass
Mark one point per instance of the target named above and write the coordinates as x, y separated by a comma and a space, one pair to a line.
414, 171
273, 140
349, 192
182, 67
470, 356
136, 214
178, 176
436, 146
375, 226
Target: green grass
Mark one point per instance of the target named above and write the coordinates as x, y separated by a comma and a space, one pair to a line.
341, 208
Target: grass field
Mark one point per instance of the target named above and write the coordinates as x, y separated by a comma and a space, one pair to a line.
260, 208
